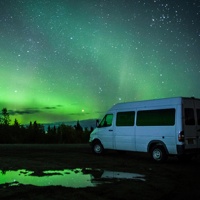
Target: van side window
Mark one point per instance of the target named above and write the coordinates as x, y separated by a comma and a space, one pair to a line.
125, 118
163, 117
198, 116
106, 121
189, 116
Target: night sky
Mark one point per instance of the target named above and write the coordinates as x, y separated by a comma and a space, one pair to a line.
65, 60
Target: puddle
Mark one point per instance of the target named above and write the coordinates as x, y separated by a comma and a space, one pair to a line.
76, 178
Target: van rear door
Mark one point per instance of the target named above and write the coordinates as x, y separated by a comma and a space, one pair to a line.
191, 108
197, 106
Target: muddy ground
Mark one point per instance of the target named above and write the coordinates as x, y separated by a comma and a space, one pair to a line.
171, 180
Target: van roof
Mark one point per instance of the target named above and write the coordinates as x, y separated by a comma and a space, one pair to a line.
152, 102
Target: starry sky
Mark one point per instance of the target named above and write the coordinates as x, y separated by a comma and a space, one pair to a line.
65, 60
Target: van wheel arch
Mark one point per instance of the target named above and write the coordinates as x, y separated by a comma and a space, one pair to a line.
97, 147
158, 151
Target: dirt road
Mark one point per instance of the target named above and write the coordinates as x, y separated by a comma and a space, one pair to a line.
170, 180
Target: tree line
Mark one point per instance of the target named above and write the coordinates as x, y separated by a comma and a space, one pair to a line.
35, 133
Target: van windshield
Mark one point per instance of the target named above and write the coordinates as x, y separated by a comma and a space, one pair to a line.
106, 121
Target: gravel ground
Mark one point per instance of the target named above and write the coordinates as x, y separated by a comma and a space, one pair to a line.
170, 180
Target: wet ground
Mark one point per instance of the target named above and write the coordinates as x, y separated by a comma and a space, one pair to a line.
73, 172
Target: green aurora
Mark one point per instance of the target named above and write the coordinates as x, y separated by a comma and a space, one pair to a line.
65, 60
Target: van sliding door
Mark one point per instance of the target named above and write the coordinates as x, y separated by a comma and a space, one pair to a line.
124, 131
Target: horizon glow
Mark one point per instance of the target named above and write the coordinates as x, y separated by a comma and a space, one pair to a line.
73, 60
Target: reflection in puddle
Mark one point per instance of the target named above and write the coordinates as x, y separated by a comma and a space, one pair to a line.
76, 178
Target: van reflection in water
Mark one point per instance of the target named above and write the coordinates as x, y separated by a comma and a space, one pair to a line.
76, 178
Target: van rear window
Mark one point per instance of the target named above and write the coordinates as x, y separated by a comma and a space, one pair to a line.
189, 116
125, 118
162, 117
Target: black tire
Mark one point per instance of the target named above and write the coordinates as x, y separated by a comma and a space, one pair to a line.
158, 154
97, 148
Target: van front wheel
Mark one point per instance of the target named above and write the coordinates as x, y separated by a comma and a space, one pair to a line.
97, 148
158, 154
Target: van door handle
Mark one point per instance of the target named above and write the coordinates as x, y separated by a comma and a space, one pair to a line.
110, 130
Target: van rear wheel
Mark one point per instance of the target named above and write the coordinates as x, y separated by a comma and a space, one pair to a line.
158, 154
97, 148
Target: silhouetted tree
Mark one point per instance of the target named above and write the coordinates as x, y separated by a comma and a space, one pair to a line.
5, 119
51, 136
4, 127
35, 133
16, 123
16, 133
78, 127
65, 134
79, 132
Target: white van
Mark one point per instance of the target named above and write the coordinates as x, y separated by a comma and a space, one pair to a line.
162, 127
